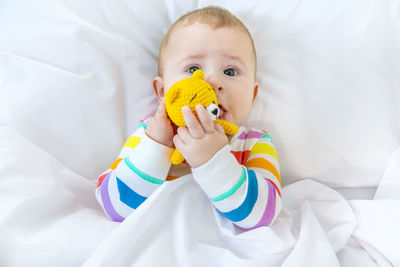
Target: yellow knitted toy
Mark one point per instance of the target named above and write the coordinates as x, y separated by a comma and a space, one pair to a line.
191, 92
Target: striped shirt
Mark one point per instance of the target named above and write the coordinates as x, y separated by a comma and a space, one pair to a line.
242, 179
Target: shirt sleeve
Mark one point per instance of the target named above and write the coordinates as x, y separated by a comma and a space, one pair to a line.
249, 195
133, 176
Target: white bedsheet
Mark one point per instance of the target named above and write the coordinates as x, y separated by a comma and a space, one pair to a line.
75, 78
48, 220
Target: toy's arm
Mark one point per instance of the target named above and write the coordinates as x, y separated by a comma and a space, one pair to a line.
229, 128
249, 195
134, 176
176, 157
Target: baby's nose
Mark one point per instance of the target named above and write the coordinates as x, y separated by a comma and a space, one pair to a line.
215, 82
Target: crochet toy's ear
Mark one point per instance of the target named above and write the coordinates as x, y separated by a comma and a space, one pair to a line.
171, 97
198, 74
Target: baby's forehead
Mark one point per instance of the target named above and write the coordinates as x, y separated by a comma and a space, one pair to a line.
196, 26
179, 42
187, 37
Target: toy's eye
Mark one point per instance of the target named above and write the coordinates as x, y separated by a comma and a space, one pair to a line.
230, 72
214, 111
213, 102
192, 69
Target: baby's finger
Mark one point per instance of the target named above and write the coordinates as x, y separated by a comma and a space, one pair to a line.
219, 128
179, 144
192, 123
184, 134
161, 111
205, 119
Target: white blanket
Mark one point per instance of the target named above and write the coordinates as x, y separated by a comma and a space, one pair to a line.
75, 78
48, 218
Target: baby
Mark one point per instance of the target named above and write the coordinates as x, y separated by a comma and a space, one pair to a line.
240, 173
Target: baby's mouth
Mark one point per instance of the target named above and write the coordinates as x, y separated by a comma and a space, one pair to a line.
222, 113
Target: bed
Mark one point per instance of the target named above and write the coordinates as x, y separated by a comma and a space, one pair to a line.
75, 79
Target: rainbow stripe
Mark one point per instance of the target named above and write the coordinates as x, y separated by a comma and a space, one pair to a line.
252, 200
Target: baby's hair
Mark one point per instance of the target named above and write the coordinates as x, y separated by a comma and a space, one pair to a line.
214, 16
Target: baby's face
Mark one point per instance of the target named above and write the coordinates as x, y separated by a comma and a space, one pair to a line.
226, 57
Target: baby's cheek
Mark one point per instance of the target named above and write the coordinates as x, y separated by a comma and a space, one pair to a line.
242, 111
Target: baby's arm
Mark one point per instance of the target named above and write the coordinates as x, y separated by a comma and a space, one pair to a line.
249, 195
141, 167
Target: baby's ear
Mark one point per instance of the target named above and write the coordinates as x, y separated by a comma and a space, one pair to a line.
158, 86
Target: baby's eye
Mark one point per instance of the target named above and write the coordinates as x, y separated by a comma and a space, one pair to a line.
230, 72
192, 69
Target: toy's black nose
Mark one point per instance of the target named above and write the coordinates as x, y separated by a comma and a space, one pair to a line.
215, 112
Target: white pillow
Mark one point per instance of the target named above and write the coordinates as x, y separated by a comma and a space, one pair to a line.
76, 77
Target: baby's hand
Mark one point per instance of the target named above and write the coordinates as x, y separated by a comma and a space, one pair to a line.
199, 142
159, 128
